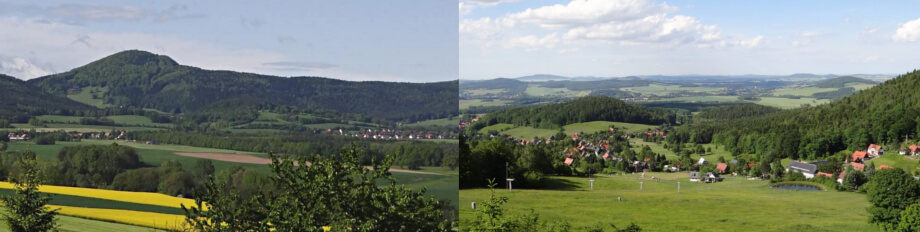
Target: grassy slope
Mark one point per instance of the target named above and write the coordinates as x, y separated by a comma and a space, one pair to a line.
733, 205
85, 97
908, 163
438, 122
584, 128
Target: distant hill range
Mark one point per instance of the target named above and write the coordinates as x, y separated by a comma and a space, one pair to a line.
692, 78
145, 80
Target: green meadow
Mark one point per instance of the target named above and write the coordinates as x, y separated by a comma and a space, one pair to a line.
735, 204
466, 104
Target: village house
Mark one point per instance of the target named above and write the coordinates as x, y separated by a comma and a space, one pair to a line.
874, 150
858, 166
858, 156
808, 170
840, 177
18, 138
914, 149
694, 176
711, 177
722, 167
828, 175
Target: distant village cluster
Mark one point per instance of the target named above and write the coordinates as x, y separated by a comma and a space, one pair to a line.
388, 134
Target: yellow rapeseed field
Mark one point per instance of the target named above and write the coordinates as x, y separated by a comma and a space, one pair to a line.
125, 196
146, 219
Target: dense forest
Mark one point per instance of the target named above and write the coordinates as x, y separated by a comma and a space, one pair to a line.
592, 108
144, 80
20, 101
885, 114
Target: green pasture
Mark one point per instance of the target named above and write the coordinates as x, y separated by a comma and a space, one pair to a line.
735, 204
539, 91
76, 224
663, 90
85, 97
466, 104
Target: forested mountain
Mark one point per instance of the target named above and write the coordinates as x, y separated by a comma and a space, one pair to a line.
591, 108
883, 114
840, 82
142, 79
19, 100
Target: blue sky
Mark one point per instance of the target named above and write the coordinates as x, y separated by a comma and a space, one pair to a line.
509, 38
415, 41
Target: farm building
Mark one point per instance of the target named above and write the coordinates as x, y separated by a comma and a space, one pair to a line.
914, 149
807, 169
695, 176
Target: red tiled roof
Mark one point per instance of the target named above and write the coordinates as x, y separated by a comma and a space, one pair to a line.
721, 167
858, 155
884, 167
842, 175
606, 155
828, 175
751, 165
857, 166
914, 148
876, 146
568, 161
646, 159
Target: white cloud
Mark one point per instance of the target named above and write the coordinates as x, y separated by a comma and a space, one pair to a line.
624, 22
21, 68
908, 32
63, 47
532, 42
465, 8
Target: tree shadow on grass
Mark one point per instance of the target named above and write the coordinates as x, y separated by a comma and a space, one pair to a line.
559, 184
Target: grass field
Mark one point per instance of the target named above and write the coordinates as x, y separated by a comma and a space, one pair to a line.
497, 127
441, 186
584, 128
75, 224
481, 92
454, 121
908, 163
466, 104
539, 91
663, 90
733, 205
136, 120
702, 99
80, 128
85, 97
58, 118
595, 126
789, 103
802, 91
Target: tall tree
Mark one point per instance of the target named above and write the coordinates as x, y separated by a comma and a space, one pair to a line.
27, 208
337, 192
891, 191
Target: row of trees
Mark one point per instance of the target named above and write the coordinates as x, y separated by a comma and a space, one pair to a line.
412, 153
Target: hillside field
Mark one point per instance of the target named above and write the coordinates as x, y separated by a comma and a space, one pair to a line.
733, 205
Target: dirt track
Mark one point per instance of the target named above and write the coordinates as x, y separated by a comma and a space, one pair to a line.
249, 159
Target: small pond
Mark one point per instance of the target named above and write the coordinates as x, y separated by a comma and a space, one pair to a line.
797, 187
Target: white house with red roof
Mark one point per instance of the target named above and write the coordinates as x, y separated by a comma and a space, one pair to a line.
874, 150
